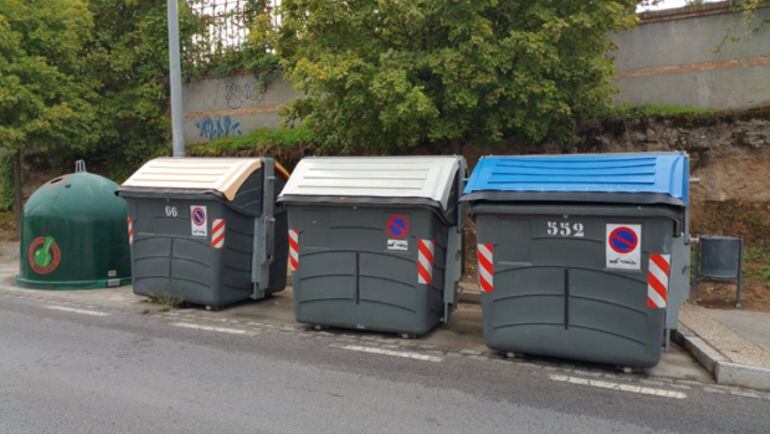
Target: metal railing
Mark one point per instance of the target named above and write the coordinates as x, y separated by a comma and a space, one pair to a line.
226, 25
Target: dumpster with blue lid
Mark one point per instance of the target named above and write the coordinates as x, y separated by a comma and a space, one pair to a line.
375, 243
582, 256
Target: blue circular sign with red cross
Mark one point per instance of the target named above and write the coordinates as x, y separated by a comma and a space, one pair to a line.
397, 226
199, 217
623, 240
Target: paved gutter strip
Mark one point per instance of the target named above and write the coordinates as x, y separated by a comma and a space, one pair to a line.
386, 342
619, 386
77, 310
388, 352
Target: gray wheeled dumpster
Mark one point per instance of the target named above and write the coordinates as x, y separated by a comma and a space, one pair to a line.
206, 230
375, 242
582, 256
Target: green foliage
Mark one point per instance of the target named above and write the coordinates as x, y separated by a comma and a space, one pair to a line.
755, 254
259, 139
45, 102
766, 273
655, 110
385, 75
6, 182
129, 58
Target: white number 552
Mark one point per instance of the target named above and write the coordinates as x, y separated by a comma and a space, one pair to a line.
565, 229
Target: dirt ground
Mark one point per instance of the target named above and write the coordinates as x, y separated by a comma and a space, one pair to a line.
755, 294
7, 226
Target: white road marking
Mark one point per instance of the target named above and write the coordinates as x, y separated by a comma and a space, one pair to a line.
76, 310
385, 352
619, 387
188, 325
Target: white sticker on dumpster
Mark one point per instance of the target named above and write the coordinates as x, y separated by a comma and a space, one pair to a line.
398, 245
198, 219
624, 246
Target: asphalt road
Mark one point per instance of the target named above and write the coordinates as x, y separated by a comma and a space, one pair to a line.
76, 370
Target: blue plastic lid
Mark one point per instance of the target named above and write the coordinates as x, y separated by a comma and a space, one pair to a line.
663, 173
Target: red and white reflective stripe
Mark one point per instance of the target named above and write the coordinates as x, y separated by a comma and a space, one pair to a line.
294, 249
657, 280
218, 233
130, 231
485, 253
425, 250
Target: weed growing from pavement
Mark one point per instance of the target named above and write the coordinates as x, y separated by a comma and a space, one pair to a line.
167, 302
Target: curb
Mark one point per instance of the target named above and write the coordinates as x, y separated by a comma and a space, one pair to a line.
724, 371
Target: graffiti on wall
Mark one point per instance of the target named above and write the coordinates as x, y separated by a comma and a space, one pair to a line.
211, 128
238, 95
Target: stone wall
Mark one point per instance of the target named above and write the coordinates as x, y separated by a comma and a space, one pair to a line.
729, 155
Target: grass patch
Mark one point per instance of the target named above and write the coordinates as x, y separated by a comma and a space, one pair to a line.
765, 273
753, 254
658, 110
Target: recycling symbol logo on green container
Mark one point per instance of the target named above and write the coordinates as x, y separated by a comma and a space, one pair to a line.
44, 255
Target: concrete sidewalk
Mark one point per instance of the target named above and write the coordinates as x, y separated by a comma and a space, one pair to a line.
734, 345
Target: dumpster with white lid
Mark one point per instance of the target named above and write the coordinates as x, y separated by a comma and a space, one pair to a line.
206, 230
582, 256
375, 242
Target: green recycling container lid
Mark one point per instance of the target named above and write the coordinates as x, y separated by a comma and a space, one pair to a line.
75, 235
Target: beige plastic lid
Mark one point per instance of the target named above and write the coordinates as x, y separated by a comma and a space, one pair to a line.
225, 175
428, 177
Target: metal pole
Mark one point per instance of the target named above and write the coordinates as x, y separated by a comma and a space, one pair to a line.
175, 72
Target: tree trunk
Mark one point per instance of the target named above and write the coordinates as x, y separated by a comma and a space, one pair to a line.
18, 206
456, 145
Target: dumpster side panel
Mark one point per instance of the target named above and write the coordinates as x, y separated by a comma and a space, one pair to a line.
170, 261
351, 276
553, 294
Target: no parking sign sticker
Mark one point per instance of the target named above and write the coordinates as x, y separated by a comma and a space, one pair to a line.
397, 227
624, 246
198, 220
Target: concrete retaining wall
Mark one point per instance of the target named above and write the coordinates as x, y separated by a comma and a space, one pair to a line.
681, 57
232, 106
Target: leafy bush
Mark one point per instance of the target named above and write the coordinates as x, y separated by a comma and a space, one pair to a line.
286, 145
129, 60
261, 138
6, 182
390, 75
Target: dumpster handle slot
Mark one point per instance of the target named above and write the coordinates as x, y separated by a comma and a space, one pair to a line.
264, 233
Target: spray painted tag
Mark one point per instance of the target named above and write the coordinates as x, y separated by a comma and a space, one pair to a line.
198, 219
624, 246
398, 245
